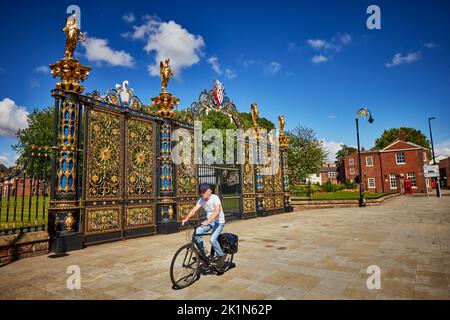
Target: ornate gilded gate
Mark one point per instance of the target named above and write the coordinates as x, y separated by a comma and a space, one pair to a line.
113, 176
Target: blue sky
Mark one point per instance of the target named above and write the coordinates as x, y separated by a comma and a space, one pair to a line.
314, 62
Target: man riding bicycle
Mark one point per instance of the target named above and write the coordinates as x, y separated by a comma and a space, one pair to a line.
215, 221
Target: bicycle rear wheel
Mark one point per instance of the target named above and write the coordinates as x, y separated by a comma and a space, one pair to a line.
185, 266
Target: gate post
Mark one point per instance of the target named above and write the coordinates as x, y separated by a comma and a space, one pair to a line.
64, 211
166, 208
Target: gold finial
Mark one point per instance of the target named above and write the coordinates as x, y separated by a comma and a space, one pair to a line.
281, 124
165, 72
73, 35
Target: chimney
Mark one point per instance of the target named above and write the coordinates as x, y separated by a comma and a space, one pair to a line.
363, 148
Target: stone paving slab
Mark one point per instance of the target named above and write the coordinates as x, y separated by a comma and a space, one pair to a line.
313, 254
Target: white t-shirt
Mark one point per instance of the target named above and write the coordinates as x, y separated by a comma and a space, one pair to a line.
209, 207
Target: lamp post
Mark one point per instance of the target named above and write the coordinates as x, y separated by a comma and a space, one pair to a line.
438, 186
363, 113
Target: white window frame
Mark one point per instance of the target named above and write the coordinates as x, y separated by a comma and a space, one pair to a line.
332, 175
411, 175
396, 157
371, 160
369, 180
351, 162
352, 171
393, 178
424, 156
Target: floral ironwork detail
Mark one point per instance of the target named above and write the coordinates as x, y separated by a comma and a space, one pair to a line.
100, 221
140, 157
139, 217
103, 180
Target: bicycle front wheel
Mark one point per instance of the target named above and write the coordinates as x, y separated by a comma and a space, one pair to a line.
184, 267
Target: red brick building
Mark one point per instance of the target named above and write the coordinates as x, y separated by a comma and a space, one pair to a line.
329, 173
444, 171
386, 170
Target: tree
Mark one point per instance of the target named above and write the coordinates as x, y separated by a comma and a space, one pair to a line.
38, 133
344, 151
407, 134
306, 154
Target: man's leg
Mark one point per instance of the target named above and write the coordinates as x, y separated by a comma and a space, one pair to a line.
199, 239
217, 229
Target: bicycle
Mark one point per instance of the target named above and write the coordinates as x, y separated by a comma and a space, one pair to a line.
186, 263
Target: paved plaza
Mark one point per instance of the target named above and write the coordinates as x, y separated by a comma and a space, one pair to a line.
309, 254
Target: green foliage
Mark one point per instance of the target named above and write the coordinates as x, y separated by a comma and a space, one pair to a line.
306, 154
247, 122
344, 151
406, 134
304, 189
39, 133
344, 195
328, 187
348, 184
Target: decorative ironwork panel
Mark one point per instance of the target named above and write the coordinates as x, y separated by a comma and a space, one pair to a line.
140, 159
102, 220
165, 154
279, 202
183, 210
103, 158
138, 217
248, 173
268, 203
249, 204
68, 140
278, 181
187, 175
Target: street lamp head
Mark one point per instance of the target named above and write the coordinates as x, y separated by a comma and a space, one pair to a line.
432, 118
371, 119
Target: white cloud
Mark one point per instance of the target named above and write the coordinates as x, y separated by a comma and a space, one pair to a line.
33, 83
319, 59
272, 68
214, 62
168, 40
12, 118
129, 17
328, 47
442, 148
316, 44
331, 116
2, 70
97, 50
398, 59
332, 147
230, 74
43, 69
430, 45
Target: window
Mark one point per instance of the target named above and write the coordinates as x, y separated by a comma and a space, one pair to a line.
317, 175
352, 171
351, 162
369, 161
412, 176
393, 180
400, 157
424, 156
371, 182
332, 174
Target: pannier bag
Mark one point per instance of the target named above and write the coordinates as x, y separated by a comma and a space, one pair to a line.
229, 243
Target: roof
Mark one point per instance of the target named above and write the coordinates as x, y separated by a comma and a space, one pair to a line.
402, 145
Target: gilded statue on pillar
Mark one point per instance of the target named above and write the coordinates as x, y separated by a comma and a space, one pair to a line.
255, 114
281, 124
165, 72
73, 35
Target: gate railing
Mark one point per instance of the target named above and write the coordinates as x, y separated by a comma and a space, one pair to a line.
25, 193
